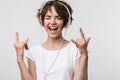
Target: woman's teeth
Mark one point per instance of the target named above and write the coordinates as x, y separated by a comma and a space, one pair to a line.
53, 28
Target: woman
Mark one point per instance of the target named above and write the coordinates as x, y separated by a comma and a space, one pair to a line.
56, 58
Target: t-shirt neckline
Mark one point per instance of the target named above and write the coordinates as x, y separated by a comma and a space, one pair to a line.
55, 50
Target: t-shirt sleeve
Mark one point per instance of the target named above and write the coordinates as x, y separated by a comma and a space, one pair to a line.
77, 55
76, 52
29, 54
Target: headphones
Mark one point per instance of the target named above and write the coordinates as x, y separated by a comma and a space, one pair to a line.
69, 18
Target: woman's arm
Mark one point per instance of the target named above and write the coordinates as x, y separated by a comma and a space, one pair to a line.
81, 63
19, 47
81, 68
25, 74
32, 69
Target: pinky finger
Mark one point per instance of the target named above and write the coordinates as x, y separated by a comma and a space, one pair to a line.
25, 42
88, 39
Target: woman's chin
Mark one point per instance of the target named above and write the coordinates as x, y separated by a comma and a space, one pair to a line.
54, 36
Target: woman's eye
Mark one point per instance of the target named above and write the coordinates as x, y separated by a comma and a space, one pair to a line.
47, 18
59, 18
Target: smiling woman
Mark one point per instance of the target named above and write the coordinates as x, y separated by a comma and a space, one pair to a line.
53, 23
57, 58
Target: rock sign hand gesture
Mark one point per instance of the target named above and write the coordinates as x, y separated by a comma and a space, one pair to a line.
19, 46
82, 43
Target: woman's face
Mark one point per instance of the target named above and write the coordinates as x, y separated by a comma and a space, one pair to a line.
53, 23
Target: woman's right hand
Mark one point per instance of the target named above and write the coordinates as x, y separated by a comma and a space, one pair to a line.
19, 46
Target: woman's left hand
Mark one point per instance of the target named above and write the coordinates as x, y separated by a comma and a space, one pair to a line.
82, 43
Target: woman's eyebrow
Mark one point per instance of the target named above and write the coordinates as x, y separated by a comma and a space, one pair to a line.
47, 16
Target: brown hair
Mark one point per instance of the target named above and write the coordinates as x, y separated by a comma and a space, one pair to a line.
61, 10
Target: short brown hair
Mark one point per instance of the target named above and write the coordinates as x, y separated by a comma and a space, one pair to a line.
61, 10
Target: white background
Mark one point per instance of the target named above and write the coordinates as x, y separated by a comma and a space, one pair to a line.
100, 19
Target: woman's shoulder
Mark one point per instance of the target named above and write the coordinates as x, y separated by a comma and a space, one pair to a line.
72, 45
33, 52
36, 47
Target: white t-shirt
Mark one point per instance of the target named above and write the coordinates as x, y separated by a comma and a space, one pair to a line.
64, 66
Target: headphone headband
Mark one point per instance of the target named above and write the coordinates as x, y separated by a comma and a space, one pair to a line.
69, 18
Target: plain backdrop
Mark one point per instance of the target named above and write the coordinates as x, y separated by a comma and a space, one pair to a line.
99, 19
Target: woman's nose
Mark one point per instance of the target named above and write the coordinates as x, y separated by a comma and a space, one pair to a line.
53, 21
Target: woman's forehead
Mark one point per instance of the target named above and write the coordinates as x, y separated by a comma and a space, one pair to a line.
52, 11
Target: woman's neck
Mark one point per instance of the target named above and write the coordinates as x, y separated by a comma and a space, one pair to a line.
53, 43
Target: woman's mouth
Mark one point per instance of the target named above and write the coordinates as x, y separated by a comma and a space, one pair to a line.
53, 28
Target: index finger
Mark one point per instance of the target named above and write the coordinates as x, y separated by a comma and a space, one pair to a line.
17, 37
82, 34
